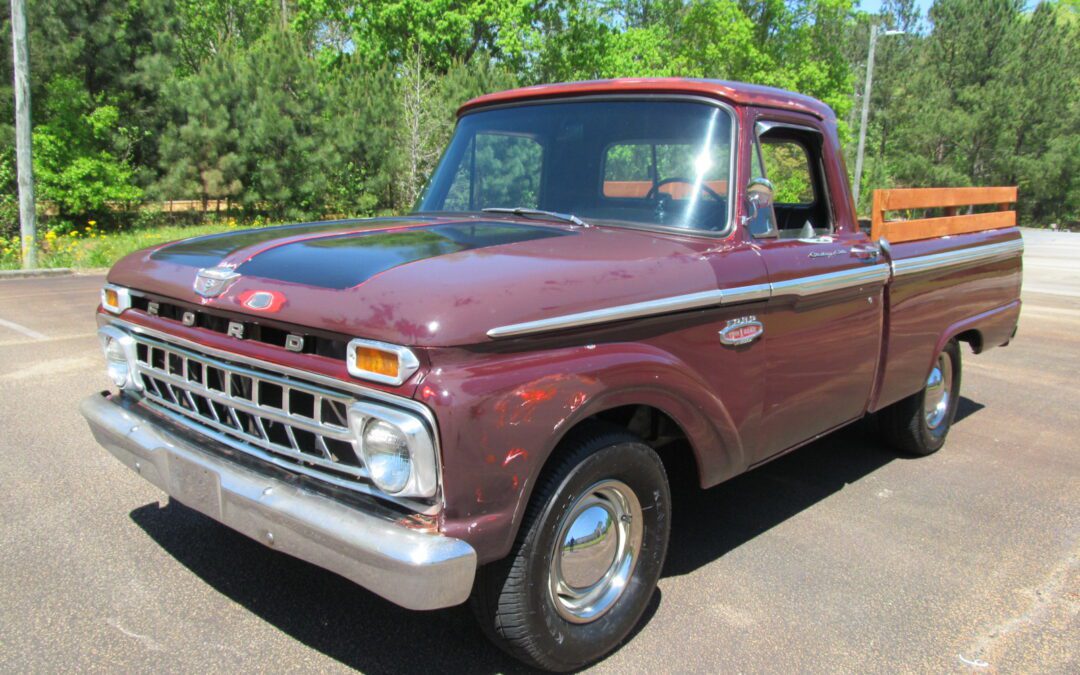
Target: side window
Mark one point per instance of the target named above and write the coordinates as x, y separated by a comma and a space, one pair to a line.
497, 170
792, 162
787, 167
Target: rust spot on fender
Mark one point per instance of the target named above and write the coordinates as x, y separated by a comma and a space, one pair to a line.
514, 454
529, 396
577, 401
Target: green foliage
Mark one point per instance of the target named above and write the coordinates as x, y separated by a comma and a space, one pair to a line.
788, 169
208, 27
428, 105
74, 163
87, 246
444, 31
988, 96
9, 197
304, 108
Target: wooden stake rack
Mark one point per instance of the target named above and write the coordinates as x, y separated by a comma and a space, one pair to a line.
951, 200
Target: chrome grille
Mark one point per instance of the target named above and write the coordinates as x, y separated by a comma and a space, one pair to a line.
289, 422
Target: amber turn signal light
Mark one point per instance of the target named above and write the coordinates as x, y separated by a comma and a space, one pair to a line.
115, 299
376, 361
380, 362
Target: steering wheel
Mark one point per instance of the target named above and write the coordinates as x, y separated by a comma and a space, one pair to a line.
654, 191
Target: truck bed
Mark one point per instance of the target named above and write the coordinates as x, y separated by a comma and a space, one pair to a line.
953, 275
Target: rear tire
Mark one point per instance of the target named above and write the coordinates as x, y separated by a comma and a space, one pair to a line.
587, 557
918, 424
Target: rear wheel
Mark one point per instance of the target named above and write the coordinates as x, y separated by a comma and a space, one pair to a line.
919, 423
587, 558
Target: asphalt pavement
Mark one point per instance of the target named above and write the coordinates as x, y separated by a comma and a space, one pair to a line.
839, 557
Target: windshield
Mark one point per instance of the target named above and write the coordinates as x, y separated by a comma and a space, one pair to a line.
650, 163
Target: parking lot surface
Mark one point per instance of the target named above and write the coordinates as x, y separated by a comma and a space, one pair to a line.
840, 557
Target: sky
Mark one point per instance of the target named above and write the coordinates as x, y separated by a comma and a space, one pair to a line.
872, 6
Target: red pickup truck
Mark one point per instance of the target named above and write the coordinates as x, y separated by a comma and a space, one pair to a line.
483, 399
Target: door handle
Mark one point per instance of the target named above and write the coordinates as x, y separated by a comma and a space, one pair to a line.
867, 253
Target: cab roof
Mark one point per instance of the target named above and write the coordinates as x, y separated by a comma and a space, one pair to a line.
737, 93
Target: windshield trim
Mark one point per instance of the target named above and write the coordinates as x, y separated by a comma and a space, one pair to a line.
593, 98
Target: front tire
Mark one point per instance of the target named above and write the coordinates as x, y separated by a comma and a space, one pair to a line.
918, 424
587, 558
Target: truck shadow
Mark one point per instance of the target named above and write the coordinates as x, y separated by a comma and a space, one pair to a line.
365, 632
320, 609
708, 523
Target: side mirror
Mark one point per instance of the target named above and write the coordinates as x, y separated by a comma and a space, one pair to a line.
759, 218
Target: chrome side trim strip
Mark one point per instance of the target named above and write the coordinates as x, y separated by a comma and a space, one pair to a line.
803, 286
636, 310
963, 256
833, 281
799, 287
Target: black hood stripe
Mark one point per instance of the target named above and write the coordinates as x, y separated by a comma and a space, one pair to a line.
348, 260
210, 250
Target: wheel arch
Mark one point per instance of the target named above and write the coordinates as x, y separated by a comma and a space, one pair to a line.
695, 451
502, 424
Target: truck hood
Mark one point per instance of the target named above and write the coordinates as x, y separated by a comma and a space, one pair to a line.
425, 281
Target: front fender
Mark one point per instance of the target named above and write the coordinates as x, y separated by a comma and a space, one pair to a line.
502, 415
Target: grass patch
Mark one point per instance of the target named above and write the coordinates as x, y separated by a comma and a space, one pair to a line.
90, 248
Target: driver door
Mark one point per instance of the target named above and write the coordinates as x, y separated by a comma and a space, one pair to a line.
824, 324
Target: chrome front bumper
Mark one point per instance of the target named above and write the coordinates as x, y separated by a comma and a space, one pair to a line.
414, 569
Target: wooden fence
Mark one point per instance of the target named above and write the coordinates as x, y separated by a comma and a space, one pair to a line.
170, 206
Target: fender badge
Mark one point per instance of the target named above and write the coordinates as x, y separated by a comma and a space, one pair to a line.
262, 301
825, 254
212, 281
741, 331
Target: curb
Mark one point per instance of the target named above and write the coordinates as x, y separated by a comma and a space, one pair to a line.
39, 272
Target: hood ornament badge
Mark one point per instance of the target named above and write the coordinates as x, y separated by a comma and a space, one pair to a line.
212, 281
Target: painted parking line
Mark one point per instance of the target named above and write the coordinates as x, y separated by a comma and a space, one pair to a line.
15, 342
19, 328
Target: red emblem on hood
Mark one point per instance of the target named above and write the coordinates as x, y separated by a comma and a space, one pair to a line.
262, 301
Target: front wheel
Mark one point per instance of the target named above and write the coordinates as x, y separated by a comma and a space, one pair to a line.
588, 556
919, 424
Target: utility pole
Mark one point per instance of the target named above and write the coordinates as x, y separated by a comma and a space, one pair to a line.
867, 88
23, 160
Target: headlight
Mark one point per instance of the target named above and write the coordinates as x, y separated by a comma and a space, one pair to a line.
397, 448
116, 361
115, 299
119, 350
386, 454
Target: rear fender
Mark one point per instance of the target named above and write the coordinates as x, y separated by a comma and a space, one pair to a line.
985, 330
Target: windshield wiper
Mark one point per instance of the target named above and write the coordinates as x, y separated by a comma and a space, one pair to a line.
539, 213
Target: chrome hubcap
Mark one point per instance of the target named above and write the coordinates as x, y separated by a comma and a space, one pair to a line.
938, 394
596, 549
